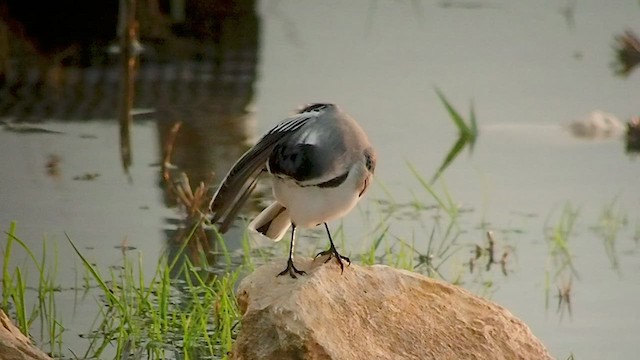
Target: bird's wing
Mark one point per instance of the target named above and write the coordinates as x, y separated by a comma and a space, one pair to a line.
243, 176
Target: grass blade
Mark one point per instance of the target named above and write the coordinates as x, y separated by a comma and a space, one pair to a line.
455, 116
105, 288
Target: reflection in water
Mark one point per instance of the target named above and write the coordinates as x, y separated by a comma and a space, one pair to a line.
568, 11
128, 59
196, 66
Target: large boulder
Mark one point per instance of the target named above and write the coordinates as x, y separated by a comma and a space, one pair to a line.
14, 345
372, 312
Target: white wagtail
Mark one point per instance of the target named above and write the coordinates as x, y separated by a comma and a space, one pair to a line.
322, 163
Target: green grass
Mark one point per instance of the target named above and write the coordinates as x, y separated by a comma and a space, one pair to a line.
182, 311
15, 291
467, 133
187, 309
611, 221
558, 238
432, 239
193, 314
560, 270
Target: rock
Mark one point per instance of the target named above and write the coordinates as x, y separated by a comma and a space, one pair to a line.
14, 345
597, 125
372, 312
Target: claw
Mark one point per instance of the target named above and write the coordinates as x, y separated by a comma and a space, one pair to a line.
332, 252
291, 270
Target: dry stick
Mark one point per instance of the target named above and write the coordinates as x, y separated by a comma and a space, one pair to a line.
490, 250
192, 201
168, 151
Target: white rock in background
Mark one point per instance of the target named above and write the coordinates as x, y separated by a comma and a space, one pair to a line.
597, 124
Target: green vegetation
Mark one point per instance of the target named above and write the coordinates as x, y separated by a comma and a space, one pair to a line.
467, 133
187, 308
560, 269
180, 310
15, 288
437, 244
611, 221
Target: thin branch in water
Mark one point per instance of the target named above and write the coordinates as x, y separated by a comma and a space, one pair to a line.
128, 35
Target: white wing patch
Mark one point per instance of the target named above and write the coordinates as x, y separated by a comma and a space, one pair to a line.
296, 121
291, 124
311, 137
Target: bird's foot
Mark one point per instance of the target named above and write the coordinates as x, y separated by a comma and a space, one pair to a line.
332, 252
291, 270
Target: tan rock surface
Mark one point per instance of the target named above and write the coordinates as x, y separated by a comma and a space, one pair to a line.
14, 345
373, 312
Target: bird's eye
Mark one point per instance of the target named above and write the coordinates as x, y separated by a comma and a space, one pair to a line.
370, 161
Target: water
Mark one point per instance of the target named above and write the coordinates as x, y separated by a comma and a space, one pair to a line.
528, 69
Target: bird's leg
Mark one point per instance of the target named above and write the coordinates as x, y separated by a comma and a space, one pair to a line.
333, 252
291, 269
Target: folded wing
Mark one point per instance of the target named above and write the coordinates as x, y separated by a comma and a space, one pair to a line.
238, 184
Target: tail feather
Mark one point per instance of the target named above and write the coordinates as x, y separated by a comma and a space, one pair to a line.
272, 222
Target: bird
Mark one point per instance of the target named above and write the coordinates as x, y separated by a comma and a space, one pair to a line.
320, 162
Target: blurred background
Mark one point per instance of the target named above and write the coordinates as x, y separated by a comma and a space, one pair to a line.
119, 118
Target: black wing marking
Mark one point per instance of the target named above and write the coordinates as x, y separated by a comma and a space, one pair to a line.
335, 182
236, 205
242, 178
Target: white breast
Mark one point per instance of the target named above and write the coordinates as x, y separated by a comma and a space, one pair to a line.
310, 206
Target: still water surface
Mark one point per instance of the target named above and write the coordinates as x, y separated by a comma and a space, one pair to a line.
528, 69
